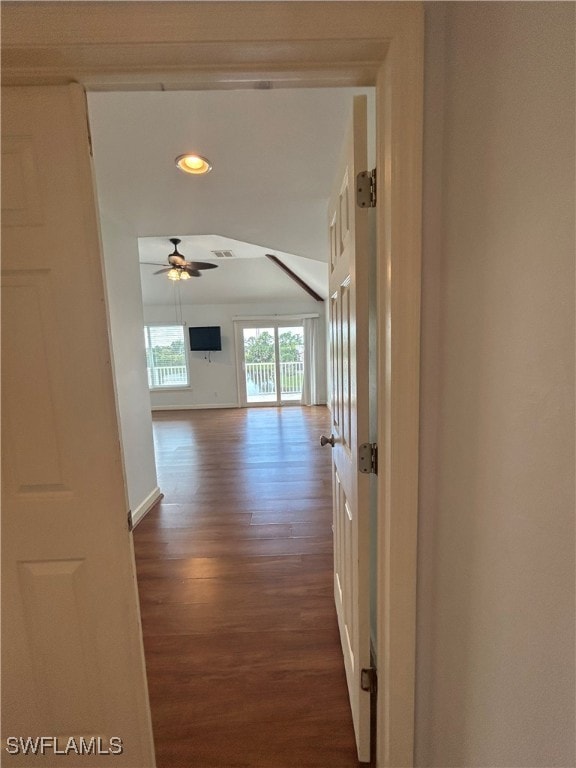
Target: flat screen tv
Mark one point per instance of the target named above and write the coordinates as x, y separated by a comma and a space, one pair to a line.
205, 338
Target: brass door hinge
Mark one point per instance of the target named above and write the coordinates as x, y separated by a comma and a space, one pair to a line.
366, 189
368, 458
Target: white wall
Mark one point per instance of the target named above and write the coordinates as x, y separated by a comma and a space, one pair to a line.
129, 358
495, 651
214, 384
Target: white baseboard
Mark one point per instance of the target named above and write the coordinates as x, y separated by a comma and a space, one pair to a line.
193, 407
145, 506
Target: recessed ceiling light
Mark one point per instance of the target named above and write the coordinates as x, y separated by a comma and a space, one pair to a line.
193, 164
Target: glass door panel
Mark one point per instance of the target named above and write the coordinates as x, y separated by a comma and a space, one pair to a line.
260, 364
290, 340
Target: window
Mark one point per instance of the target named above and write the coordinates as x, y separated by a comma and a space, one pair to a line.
166, 356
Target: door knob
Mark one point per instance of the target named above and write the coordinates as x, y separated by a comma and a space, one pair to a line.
327, 440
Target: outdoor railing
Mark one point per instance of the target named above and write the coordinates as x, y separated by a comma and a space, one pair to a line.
168, 376
261, 378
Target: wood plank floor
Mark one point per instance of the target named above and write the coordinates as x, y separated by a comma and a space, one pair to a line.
235, 578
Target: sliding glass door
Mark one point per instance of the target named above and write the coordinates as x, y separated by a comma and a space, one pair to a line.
272, 363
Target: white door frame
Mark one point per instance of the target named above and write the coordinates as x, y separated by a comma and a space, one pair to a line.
289, 44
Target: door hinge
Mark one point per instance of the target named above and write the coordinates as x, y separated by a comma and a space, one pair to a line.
369, 680
366, 189
130, 521
368, 458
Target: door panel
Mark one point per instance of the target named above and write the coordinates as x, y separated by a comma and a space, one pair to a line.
259, 350
349, 307
290, 346
72, 655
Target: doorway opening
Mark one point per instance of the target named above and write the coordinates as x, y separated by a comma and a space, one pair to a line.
273, 364
386, 49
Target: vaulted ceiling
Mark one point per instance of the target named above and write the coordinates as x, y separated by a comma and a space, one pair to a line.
273, 154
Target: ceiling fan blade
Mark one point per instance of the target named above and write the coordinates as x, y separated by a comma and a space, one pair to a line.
193, 272
159, 272
200, 265
153, 263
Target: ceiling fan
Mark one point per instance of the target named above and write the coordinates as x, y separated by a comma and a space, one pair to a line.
179, 268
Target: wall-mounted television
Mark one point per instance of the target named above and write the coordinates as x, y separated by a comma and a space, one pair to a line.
205, 338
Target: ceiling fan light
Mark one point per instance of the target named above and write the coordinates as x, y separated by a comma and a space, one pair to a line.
184, 275
193, 164
174, 274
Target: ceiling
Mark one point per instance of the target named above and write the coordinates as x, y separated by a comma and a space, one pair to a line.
273, 154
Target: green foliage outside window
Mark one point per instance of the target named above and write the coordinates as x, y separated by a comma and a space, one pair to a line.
167, 355
260, 349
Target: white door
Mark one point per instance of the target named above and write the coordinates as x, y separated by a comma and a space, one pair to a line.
349, 297
73, 664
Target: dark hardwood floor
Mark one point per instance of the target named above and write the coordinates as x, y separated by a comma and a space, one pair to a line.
235, 578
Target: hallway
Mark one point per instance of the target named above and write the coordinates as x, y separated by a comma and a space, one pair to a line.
235, 579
